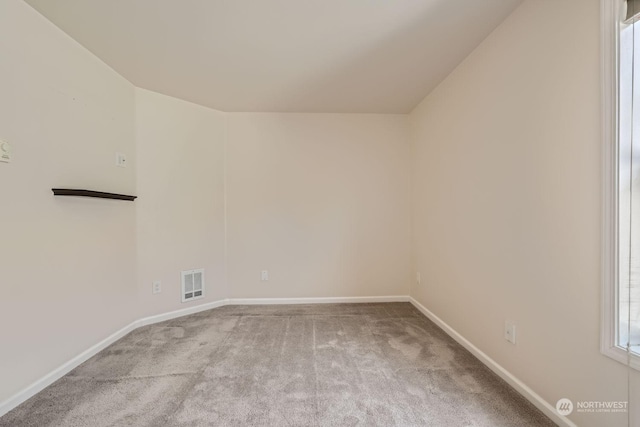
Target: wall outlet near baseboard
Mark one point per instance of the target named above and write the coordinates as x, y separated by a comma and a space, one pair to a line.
510, 331
157, 287
264, 275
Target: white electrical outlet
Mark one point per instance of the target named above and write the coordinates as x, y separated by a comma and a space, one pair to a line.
510, 331
121, 160
264, 276
157, 287
418, 278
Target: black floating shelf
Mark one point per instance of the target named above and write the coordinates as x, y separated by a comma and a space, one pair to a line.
90, 193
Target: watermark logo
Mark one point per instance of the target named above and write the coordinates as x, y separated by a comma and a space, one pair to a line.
564, 407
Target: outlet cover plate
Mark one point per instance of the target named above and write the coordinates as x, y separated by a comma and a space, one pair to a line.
510, 331
121, 160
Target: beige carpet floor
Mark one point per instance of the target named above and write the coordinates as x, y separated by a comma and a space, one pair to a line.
297, 365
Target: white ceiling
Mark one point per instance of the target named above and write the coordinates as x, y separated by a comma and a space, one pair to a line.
361, 56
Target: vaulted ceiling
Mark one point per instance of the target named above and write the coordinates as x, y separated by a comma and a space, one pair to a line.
354, 56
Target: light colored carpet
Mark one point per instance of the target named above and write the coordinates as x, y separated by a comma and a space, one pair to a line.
301, 365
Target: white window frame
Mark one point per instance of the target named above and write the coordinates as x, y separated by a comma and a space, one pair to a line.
610, 39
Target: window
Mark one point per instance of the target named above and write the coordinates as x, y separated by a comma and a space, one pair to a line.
621, 127
629, 189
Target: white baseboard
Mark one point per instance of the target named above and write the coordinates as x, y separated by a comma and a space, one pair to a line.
514, 382
317, 300
179, 313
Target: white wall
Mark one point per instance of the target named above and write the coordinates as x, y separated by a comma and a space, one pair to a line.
319, 200
67, 265
180, 210
506, 190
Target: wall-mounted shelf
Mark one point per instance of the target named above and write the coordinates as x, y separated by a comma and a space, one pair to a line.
91, 193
